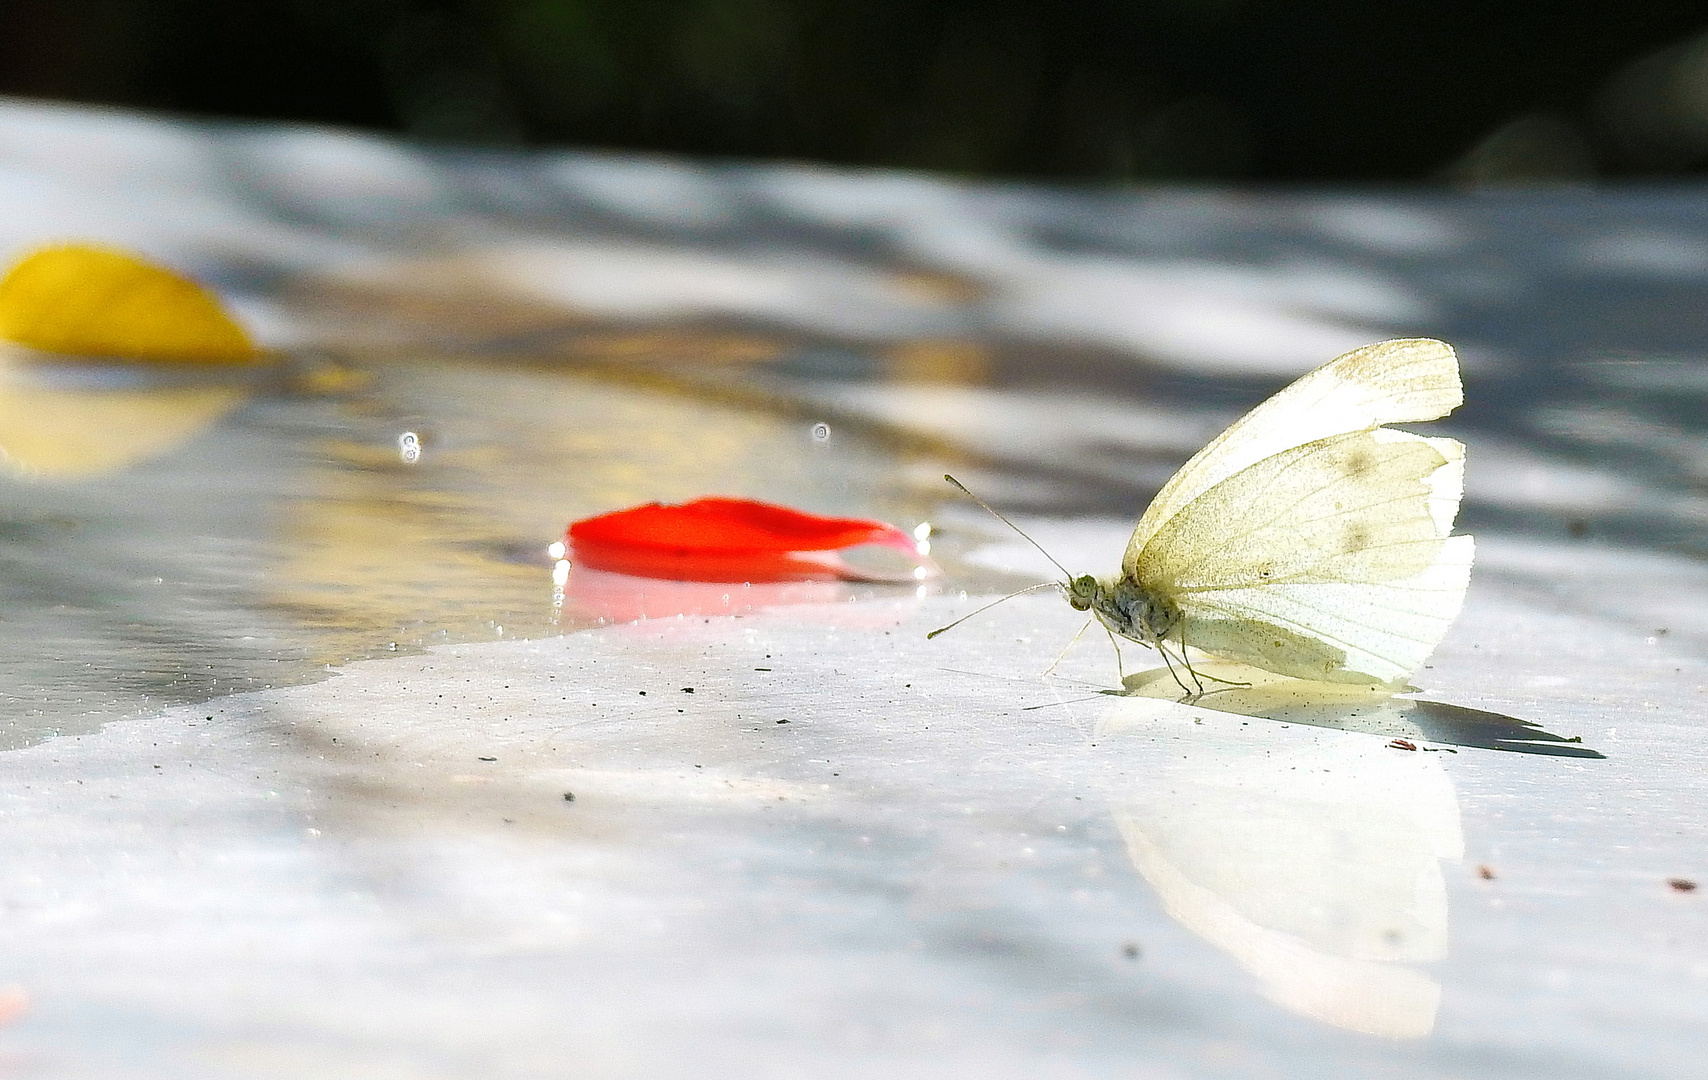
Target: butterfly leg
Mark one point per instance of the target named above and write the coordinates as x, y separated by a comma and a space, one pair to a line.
1197, 676
1196, 690
1120, 664
1071, 643
1168, 662
1231, 684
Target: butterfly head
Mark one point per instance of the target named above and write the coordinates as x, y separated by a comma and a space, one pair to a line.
1082, 592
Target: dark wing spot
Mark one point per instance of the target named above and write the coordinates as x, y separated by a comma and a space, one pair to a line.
1357, 538
1359, 464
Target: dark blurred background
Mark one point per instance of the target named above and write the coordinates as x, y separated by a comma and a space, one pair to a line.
1260, 90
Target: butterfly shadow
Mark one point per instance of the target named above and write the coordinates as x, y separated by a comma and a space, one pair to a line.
1245, 691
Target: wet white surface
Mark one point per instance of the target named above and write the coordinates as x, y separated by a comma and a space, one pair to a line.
942, 864
877, 854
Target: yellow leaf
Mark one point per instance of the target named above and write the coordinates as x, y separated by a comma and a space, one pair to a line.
80, 300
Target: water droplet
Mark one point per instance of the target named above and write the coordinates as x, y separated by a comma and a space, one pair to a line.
821, 432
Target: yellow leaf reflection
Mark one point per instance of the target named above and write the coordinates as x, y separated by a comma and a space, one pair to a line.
69, 434
80, 300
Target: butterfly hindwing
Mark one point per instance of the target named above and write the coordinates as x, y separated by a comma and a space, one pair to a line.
1337, 632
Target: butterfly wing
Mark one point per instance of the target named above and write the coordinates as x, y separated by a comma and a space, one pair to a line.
1328, 561
1407, 380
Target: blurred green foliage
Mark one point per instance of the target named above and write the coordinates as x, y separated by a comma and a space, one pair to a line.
1111, 89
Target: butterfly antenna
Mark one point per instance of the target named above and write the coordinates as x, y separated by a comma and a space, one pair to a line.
1011, 525
993, 603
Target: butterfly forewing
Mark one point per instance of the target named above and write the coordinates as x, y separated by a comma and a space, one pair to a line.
1407, 380
1356, 504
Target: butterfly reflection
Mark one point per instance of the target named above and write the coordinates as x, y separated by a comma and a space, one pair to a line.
1312, 860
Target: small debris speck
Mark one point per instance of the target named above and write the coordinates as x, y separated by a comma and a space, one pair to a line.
782, 721
488, 759
1486, 872
1402, 744
569, 796
643, 693
1131, 950
1680, 884
761, 669
687, 689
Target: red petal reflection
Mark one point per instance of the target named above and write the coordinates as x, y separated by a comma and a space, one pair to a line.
720, 539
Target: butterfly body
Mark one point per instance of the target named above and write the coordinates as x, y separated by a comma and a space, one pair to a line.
1124, 607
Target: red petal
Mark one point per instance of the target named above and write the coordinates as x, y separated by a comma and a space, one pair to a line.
715, 524
719, 539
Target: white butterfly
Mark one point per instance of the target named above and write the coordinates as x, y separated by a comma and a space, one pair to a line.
1307, 539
